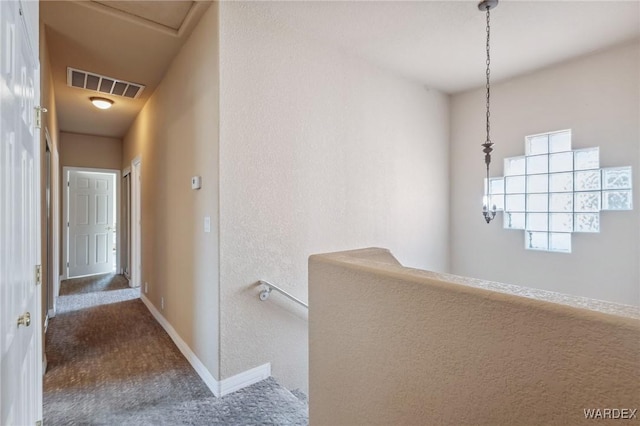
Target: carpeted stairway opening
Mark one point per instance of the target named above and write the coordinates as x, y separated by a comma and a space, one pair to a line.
111, 363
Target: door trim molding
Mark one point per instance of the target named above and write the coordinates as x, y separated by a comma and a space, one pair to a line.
53, 251
65, 213
135, 223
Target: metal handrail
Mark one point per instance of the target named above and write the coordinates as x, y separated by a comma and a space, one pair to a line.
264, 294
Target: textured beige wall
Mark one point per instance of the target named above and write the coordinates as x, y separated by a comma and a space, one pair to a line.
176, 137
99, 152
397, 346
319, 151
598, 97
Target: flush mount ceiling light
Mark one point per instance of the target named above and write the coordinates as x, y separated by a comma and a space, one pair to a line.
488, 209
102, 103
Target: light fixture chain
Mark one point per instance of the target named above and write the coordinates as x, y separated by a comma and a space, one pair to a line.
488, 86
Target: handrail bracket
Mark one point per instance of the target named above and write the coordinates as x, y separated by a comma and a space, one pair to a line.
268, 287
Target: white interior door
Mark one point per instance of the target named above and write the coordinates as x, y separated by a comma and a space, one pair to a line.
20, 290
91, 223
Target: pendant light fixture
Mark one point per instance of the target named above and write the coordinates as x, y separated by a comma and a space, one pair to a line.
488, 208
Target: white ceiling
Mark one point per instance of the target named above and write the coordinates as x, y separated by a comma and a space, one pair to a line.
442, 43
171, 14
133, 41
438, 43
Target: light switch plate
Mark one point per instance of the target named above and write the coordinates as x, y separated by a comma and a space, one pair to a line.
196, 182
207, 224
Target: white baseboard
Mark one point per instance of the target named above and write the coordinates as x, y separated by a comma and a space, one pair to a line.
244, 379
219, 388
51, 313
46, 323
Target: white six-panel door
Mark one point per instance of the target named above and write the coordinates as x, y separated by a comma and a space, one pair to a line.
20, 291
91, 223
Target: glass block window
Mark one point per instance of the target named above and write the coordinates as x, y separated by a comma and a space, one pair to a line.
553, 191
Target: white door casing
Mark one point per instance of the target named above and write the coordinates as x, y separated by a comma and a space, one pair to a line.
136, 229
91, 222
54, 237
20, 290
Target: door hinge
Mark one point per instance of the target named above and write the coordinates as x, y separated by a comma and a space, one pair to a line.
38, 112
38, 274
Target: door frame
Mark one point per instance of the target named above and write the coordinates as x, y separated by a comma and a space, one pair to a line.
56, 225
65, 213
52, 228
136, 223
125, 210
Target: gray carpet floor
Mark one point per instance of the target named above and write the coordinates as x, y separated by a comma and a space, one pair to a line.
111, 363
87, 292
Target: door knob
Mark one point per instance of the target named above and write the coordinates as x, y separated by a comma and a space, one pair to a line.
24, 319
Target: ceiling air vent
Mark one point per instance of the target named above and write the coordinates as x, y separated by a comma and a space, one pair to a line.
102, 84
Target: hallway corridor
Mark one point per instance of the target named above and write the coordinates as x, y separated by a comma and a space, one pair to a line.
110, 362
